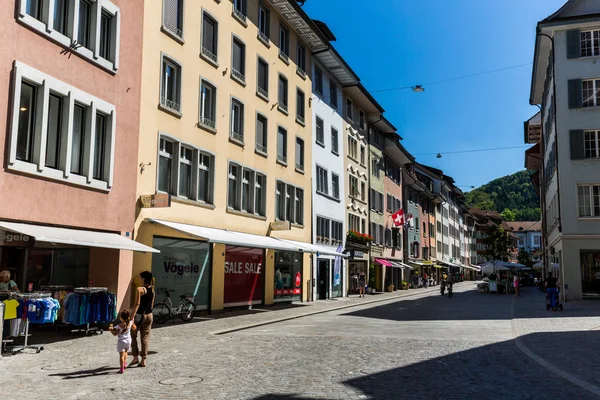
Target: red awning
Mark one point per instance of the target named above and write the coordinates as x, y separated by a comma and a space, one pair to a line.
383, 262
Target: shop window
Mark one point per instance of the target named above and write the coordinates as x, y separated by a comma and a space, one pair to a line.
288, 276
39, 97
182, 266
243, 283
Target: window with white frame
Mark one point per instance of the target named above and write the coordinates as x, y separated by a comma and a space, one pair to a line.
335, 185
172, 19
185, 171
353, 189
87, 27
260, 186
282, 145
591, 92
289, 203
282, 99
318, 80
590, 43
208, 105
362, 154
589, 200
264, 23
299, 206
300, 106
320, 131
76, 142
170, 86
355, 223
237, 120
334, 141
210, 36
375, 167
299, 154
234, 186
591, 148
337, 232
363, 190
352, 148
322, 184
262, 83
238, 61
323, 225
246, 190
261, 133
537, 241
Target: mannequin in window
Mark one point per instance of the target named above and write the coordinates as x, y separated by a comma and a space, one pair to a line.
6, 283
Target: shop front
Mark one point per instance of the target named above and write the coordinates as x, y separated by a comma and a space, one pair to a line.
329, 281
288, 276
590, 273
244, 278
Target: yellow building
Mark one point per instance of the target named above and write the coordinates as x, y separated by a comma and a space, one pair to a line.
224, 155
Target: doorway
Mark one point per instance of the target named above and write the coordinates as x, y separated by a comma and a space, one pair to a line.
323, 280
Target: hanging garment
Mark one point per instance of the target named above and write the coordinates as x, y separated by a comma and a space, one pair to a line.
10, 309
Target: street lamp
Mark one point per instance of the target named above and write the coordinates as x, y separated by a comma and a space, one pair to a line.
418, 89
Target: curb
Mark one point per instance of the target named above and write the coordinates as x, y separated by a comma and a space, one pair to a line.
308, 314
547, 365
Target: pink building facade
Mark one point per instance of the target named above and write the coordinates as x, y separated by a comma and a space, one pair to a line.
69, 105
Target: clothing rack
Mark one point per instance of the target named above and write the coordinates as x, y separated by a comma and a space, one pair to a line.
56, 288
89, 290
94, 329
37, 348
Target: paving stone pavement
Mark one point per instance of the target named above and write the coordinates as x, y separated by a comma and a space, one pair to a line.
423, 346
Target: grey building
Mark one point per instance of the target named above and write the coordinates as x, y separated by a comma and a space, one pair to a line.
566, 85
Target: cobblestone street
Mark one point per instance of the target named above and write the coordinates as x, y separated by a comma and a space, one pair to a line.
409, 345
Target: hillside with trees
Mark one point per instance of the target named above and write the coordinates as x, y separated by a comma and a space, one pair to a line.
513, 196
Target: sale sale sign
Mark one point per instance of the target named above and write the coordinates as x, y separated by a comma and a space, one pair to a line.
244, 281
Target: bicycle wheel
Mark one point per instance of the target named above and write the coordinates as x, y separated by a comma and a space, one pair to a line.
188, 311
161, 312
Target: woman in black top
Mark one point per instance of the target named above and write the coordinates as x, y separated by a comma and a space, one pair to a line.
143, 318
551, 290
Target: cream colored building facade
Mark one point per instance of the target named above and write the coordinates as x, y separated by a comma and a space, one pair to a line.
226, 131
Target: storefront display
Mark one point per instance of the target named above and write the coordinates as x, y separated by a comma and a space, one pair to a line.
183, 266
336, 278
244, 279
288, 276
590, 272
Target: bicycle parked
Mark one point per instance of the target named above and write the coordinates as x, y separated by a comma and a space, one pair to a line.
163, 311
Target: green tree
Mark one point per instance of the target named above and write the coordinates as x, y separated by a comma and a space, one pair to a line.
508, 215
497, 244
525, 258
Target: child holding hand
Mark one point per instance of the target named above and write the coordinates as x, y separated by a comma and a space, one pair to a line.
123, 330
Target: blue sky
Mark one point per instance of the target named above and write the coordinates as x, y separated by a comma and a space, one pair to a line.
395, 43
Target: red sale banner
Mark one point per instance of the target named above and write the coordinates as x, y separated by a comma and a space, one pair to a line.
243, 276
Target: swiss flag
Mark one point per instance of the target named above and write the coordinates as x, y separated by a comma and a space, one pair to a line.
398, 218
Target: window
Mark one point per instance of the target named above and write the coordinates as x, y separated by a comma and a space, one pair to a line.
210, 34
61, 15
282, 145
240, 10
333, 97
590, 43
233, 194
376, 201
259, 194
53, 142
537, 241
375, 167
377, 136
591, 93
237, 120
246, 190
318, 80
300, 106
170, 93
299, 206
299, 154
349, 110
335, 185
363, 191
264, 23
334, 141
85, 19
185, 172
261, 133
284, 43
320, 131
389, 202
205, 168
34, 8
591, 144
106, 22
165, 165
396, 238
263, 78
280, 201
301, 59
362, 155
589, 201
354, 223
322, 185
208, 105
323, 229
352, 148
361, 119
173, 17
282, 103
238, 61
337, 232
388, 237
289, 203
353, 189
58, 149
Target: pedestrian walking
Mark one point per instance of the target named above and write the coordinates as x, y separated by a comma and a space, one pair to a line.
123, 331
551, 290
143, 318
517, 284
362, 282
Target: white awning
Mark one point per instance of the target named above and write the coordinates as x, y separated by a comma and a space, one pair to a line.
472, 268
396, 264
223, 236
76, 237
315, 248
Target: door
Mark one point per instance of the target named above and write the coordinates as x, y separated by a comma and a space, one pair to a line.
323, 280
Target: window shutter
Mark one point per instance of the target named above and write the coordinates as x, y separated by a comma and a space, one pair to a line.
171, 15
575, 94
577, 145
573, 44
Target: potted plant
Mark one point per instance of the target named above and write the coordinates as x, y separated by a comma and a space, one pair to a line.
404, 285
358, 237
390, 287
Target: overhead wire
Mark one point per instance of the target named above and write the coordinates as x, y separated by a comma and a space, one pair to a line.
473, 150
